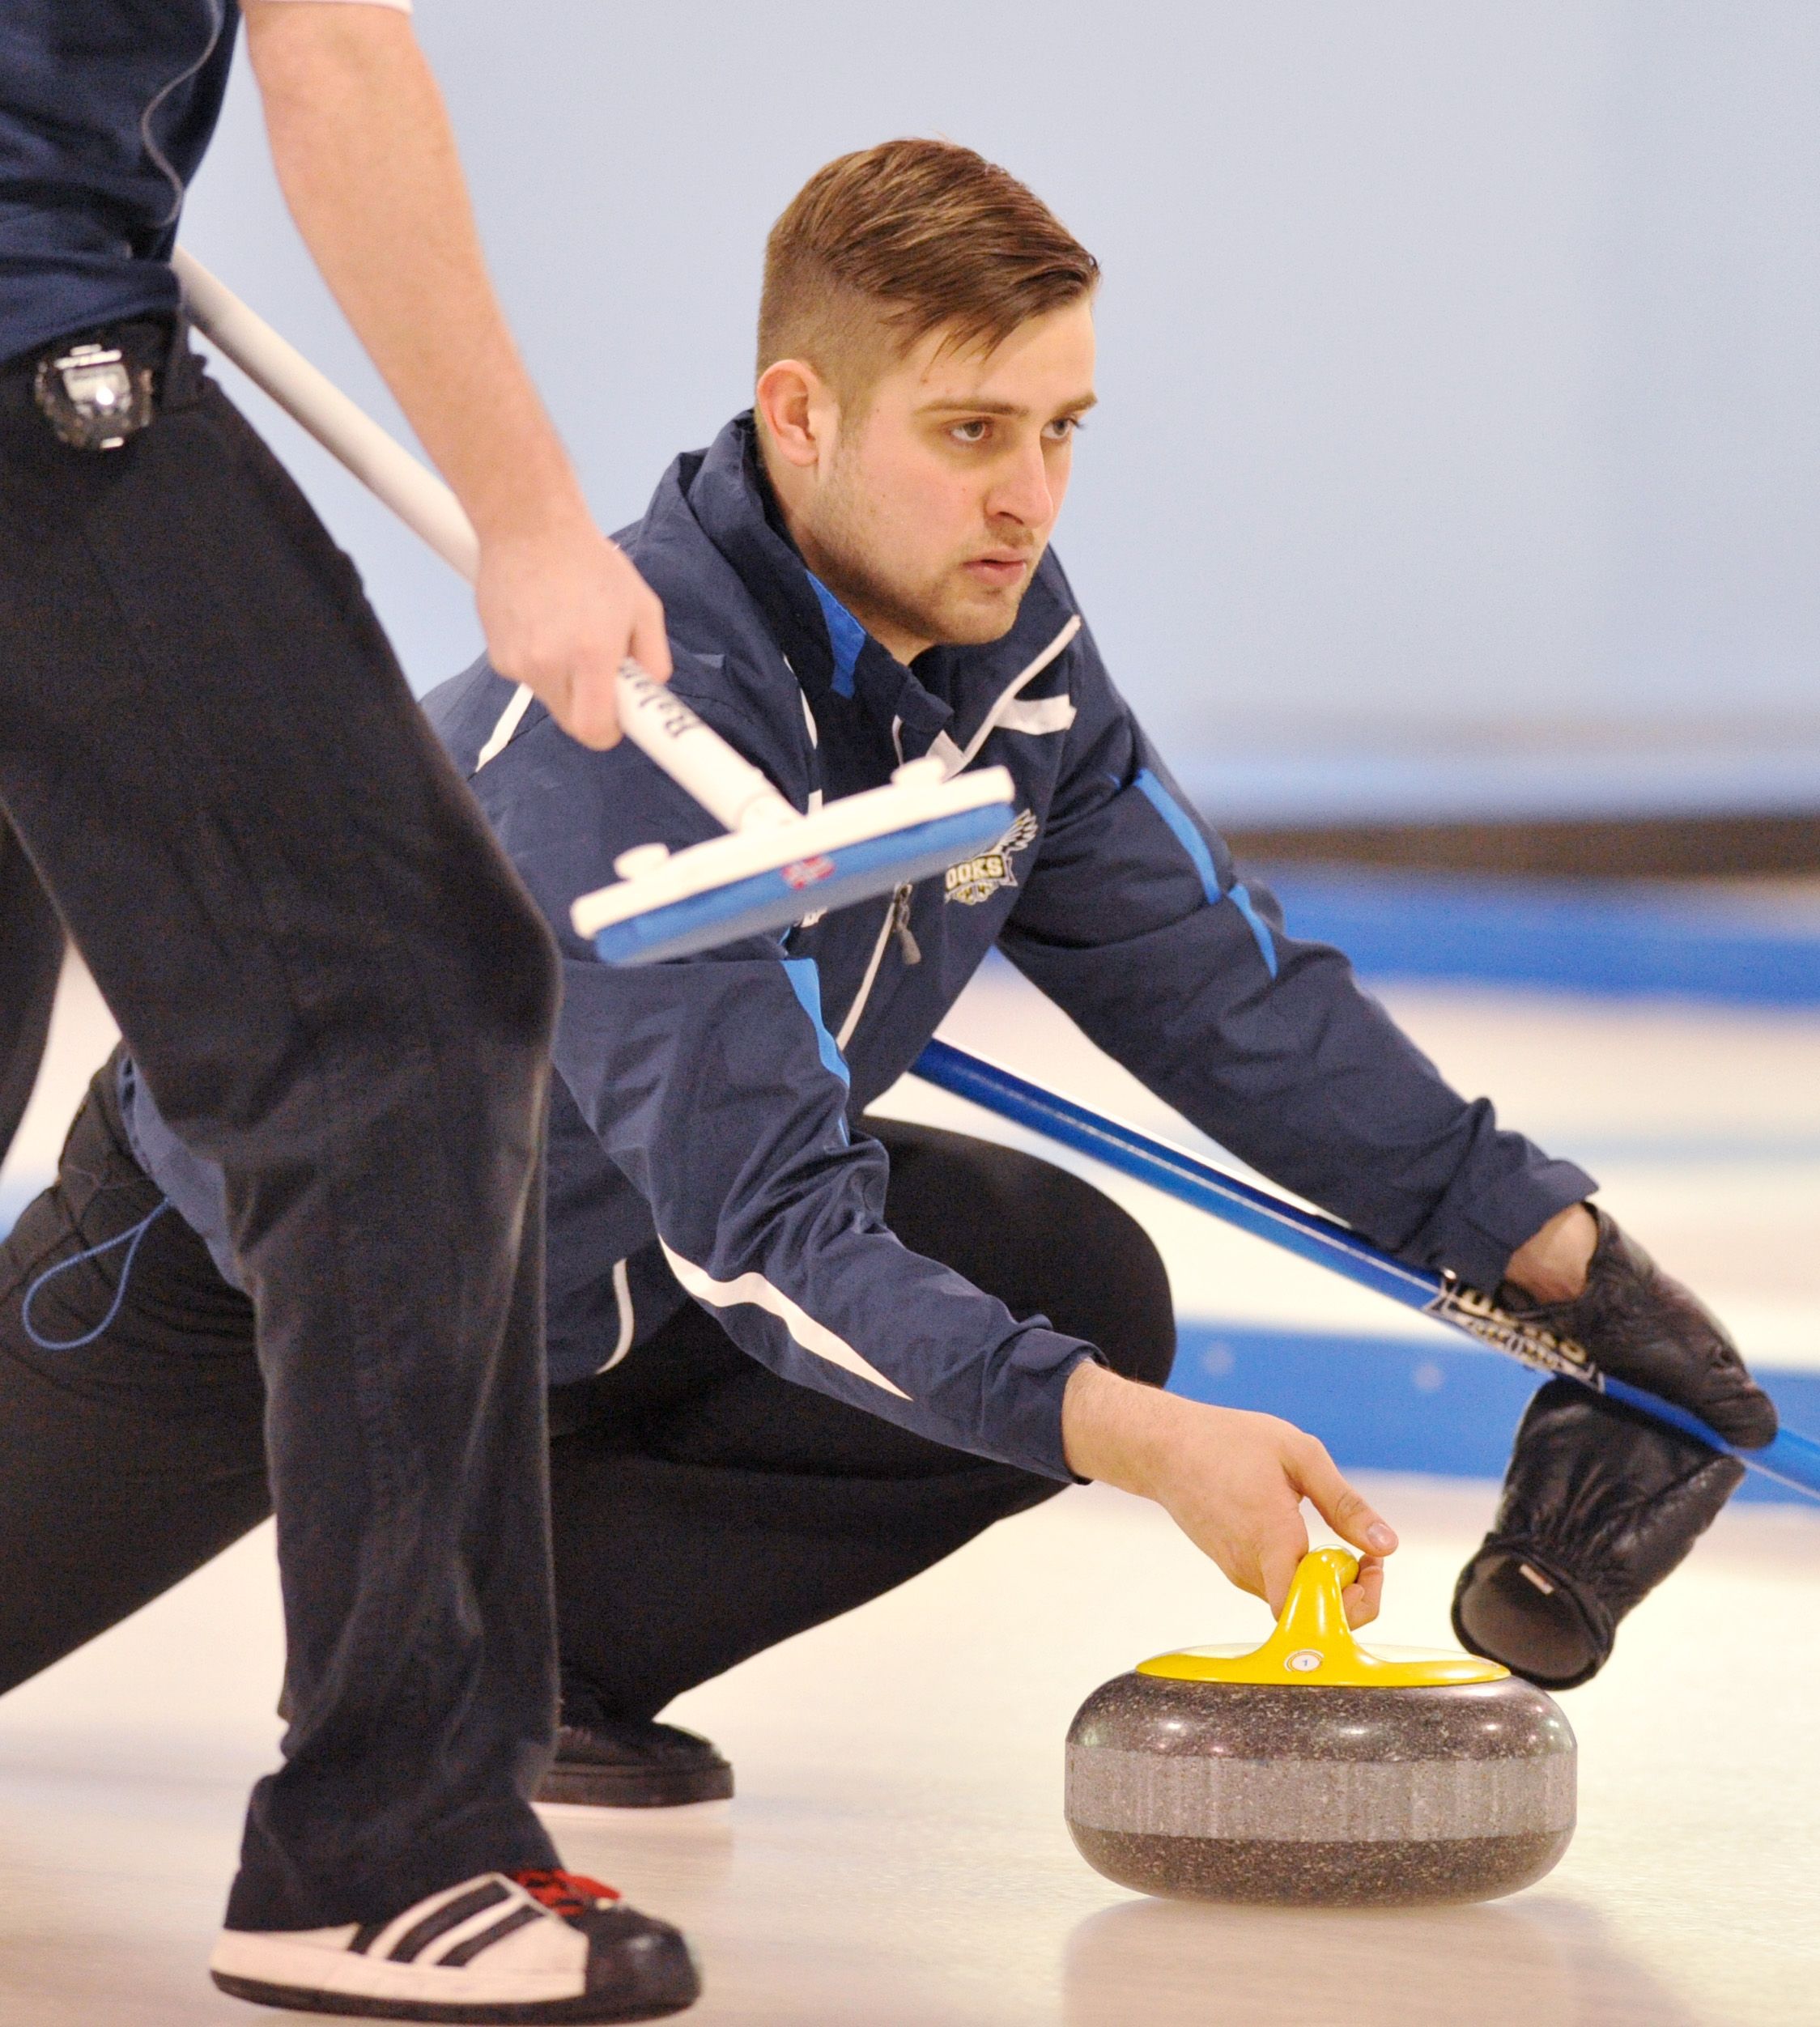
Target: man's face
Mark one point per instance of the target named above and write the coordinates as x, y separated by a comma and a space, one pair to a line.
927, 511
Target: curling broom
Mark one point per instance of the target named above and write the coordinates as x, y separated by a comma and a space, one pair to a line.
775, 865
1790, 1458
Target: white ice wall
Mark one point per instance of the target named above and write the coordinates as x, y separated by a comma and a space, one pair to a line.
1460, 362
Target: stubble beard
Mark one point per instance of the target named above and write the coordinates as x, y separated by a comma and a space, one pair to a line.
942, 612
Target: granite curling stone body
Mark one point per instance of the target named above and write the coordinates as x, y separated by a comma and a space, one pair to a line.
1315, 1771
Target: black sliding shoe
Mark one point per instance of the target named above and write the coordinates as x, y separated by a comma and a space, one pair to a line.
609, 1763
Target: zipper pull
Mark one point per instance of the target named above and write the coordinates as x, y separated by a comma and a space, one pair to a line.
907, 943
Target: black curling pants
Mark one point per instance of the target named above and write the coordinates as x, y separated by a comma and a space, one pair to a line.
337, 989
704, 1508
31, 958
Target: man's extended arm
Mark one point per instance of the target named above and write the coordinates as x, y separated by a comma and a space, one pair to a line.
1231, 1480
1134, 920
368, 163
712, 1087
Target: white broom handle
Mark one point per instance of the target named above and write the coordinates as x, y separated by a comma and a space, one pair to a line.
693, 754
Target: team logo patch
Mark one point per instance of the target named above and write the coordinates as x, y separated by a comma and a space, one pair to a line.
977, 880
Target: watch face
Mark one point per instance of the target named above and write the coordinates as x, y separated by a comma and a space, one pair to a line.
94, 398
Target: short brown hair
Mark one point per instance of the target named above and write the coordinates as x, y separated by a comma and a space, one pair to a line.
880, 249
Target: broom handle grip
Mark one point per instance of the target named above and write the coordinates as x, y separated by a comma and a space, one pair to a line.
691, 753
1791, 1459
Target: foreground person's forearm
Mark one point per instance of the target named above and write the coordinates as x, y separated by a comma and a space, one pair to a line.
364, 153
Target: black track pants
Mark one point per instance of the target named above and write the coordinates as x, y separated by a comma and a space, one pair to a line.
31, 958
336, 988
705, 1509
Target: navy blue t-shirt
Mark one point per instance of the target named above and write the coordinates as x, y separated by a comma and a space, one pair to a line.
106, 109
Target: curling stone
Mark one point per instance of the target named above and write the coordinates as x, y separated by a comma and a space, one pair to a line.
1317, 1772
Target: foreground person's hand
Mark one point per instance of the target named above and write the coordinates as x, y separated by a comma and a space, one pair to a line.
364, 152
561, 611
1232, 1481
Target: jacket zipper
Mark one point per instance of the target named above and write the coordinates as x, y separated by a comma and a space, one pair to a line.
908, 945
897, 916
897, 923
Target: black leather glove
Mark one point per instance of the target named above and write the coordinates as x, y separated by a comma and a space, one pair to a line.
1600, 1503
1640, 1324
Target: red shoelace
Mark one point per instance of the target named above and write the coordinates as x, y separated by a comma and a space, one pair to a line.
565, 1893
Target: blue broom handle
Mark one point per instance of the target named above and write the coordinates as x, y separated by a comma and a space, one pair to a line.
1792, 1460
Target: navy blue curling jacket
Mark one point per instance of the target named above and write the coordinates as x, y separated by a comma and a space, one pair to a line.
704, 1137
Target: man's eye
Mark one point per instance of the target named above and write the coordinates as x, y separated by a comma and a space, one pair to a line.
1063, 427
973, 432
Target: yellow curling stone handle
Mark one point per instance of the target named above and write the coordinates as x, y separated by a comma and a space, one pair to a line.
1313, 1648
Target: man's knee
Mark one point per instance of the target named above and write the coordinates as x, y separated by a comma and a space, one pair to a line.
1140, 1342
1106, 1281
1040, 1238
1149, 1359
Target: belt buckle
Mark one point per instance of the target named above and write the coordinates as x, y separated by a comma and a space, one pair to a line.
94, 397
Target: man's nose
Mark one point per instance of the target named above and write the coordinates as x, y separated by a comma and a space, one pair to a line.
1022, 492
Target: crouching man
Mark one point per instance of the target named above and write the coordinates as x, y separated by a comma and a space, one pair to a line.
797, 1354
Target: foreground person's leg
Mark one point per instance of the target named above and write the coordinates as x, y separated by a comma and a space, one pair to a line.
31, 958
336, 989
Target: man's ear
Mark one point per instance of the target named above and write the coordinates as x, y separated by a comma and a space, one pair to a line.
798, 408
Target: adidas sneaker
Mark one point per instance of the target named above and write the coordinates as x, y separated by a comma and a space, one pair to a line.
501, 1947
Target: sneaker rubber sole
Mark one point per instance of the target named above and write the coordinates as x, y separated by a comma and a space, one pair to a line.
589, 2007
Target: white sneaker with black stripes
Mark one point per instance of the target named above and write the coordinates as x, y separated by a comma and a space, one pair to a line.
500, 1947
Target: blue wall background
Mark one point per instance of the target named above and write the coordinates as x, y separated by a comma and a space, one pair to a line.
1459, 435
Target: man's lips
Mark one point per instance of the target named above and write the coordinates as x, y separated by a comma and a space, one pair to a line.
997, 570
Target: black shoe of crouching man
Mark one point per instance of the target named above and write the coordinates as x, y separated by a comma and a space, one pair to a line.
1600, 1504
612, 1763
1641, 1325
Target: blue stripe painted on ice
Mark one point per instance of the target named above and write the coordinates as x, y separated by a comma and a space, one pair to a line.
1190, 839
1628, 939
1395, 1403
